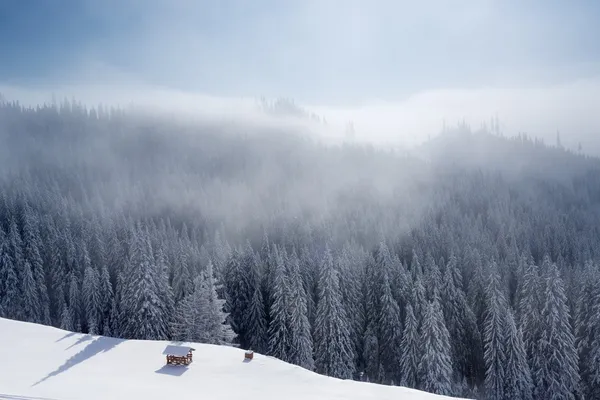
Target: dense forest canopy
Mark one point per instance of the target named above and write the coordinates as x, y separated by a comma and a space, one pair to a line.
468, 267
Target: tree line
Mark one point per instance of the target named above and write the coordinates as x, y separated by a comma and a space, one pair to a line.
489, 289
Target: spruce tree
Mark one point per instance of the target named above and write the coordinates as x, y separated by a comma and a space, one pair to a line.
333, 347
141, 305
32, 252
588, 331
91, 300
371, 353
411, 351
31, 301
495, 339
435, 366
74, 303
10, 293
106, 296
557, 374
238, 289
200, 316
279, 326
219, 331
517, 376
256, 322
530, 312
18, 263
301, 350
390, 328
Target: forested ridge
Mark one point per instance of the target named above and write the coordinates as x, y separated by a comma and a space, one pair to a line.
468, 268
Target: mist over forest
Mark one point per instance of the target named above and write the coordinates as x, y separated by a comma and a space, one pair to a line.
468, 265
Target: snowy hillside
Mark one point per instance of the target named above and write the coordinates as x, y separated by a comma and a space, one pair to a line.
39, 362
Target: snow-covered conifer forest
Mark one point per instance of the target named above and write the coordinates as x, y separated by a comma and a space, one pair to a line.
468, 267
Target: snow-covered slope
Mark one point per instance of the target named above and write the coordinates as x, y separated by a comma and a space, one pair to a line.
44, 363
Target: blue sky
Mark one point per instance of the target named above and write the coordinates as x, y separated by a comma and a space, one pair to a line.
318, 51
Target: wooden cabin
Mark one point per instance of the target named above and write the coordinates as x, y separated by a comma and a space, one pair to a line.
178, 355
249, 355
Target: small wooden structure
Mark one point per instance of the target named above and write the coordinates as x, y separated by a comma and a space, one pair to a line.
178, 355
249, 355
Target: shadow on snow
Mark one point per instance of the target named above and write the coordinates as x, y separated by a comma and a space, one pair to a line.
100, 345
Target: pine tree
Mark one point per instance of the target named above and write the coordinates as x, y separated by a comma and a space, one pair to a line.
435, 366
10, 295
279, 326
371, 353
91, 300
495, 339
390, 327
18, 266
517, 376
31, 302
74, 303
200, 316
588, 331
333, 347
32, 245
256, 323
66, 319
106, 295
557, 375
530, 312
301, 351
238, 289
419, 301
219, 331
350, 265
467, 348
58, 275
411, 351
141, 305
433, 276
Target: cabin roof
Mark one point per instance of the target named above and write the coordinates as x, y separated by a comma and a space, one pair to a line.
179, 351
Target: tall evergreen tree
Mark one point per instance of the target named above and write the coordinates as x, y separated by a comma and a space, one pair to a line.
256, 322
32, 252
301, 350
517, 376
333, 347
10, 293
74, 305
390, 328
31, 301
495, 339
411, 351
588, 331
141, 305
200, 316
279, 327
435, 366
530, 312
557, 375
91, 299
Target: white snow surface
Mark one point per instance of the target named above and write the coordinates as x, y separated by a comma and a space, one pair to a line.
44, 363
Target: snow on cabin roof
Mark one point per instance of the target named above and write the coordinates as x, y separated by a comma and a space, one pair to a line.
178, 351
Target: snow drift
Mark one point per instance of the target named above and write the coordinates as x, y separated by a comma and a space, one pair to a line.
40, 362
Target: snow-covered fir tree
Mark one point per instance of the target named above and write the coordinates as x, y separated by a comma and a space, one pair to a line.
333, 347
301, 342
517, 376
279, 327
200, 316
494, 336
411, 351
556, 373
435, 366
